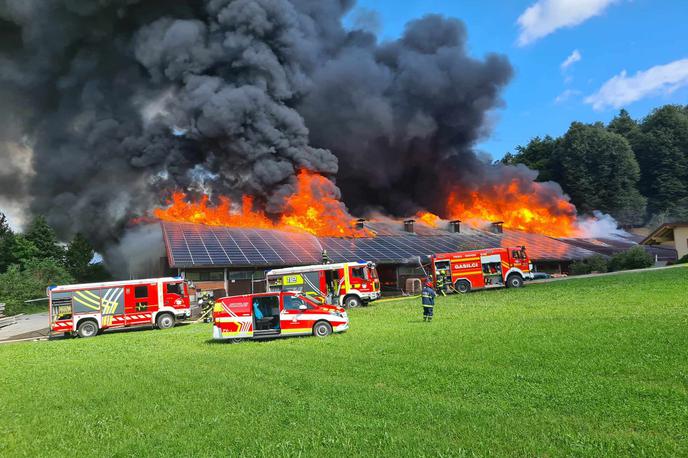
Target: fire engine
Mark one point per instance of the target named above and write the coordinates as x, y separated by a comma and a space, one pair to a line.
278, 314
349, 284
487, 268
89, 308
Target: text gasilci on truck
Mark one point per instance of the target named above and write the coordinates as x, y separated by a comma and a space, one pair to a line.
478, 269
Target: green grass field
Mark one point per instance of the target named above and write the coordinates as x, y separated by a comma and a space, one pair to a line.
583, 367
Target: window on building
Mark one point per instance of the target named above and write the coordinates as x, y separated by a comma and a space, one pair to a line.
205, 275
239, 275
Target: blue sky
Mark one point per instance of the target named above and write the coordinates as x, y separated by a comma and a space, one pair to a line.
610, 36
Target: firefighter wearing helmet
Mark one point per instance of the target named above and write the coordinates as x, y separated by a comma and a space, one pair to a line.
428, 300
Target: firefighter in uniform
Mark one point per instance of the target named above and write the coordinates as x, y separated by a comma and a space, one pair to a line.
440, 283
325, 257
428, 300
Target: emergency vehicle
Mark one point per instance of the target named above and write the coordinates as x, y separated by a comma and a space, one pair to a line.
349, 284
278, 314
89, 308
487, 268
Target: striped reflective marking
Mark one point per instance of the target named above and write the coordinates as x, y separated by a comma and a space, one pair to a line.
296, 330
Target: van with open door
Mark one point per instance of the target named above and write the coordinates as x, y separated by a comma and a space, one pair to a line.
278, 314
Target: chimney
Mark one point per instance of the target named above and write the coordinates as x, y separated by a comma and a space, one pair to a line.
360, 224
408, 226
455, 226
496, 227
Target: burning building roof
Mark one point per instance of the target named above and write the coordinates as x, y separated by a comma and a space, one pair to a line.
195, 245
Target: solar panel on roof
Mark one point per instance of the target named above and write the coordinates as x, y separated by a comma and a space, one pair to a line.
190, 245
196, 245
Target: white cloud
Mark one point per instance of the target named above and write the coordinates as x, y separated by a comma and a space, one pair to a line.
567, 94
572, 59
622, 89
546, 16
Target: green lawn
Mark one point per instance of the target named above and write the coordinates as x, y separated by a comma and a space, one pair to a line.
583, 367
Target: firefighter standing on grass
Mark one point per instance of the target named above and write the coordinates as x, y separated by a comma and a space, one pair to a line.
428, 299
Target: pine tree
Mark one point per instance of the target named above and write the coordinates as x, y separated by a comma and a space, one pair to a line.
6, 236
43, 237
624, 125
78, 256
5, 229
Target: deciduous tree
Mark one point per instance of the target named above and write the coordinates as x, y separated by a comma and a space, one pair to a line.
598, 169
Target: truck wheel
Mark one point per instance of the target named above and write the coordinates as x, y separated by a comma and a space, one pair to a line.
514, 281
322, 329
352, 302
165, 321
462, 286
87, 328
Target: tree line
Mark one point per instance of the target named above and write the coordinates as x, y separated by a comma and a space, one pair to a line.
33, 260
635, 170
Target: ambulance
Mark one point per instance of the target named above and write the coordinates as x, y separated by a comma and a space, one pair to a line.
348, 284
270, 315
481, 269
87, 309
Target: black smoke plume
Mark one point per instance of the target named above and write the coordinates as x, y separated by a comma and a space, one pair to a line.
123, 100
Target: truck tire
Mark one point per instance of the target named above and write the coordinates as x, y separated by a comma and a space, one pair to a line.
165, 321
462, 286
514, 281
322, 329
87, 328
352, 301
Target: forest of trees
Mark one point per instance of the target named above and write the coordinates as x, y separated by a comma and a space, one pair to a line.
34, 259
635, 170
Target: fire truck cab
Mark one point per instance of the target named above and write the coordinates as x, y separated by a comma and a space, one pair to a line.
280, 314
478, 269
89, 308
348, 284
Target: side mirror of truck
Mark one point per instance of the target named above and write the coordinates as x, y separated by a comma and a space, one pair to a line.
303, 307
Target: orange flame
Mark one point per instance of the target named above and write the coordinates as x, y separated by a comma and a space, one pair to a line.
314, 208
428, 218
530, 210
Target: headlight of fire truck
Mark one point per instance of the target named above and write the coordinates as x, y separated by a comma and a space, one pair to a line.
338, 314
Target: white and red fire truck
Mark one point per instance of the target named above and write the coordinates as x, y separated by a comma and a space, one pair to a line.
349, 284
477, 269
88, 308
280, 314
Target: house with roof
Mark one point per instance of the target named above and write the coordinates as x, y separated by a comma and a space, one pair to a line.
671, 236
234, 260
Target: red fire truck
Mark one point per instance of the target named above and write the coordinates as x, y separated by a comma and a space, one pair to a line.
87, 309
349, 284
281, 314
477, 269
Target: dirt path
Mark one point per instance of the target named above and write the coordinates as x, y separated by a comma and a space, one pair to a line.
27, 326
